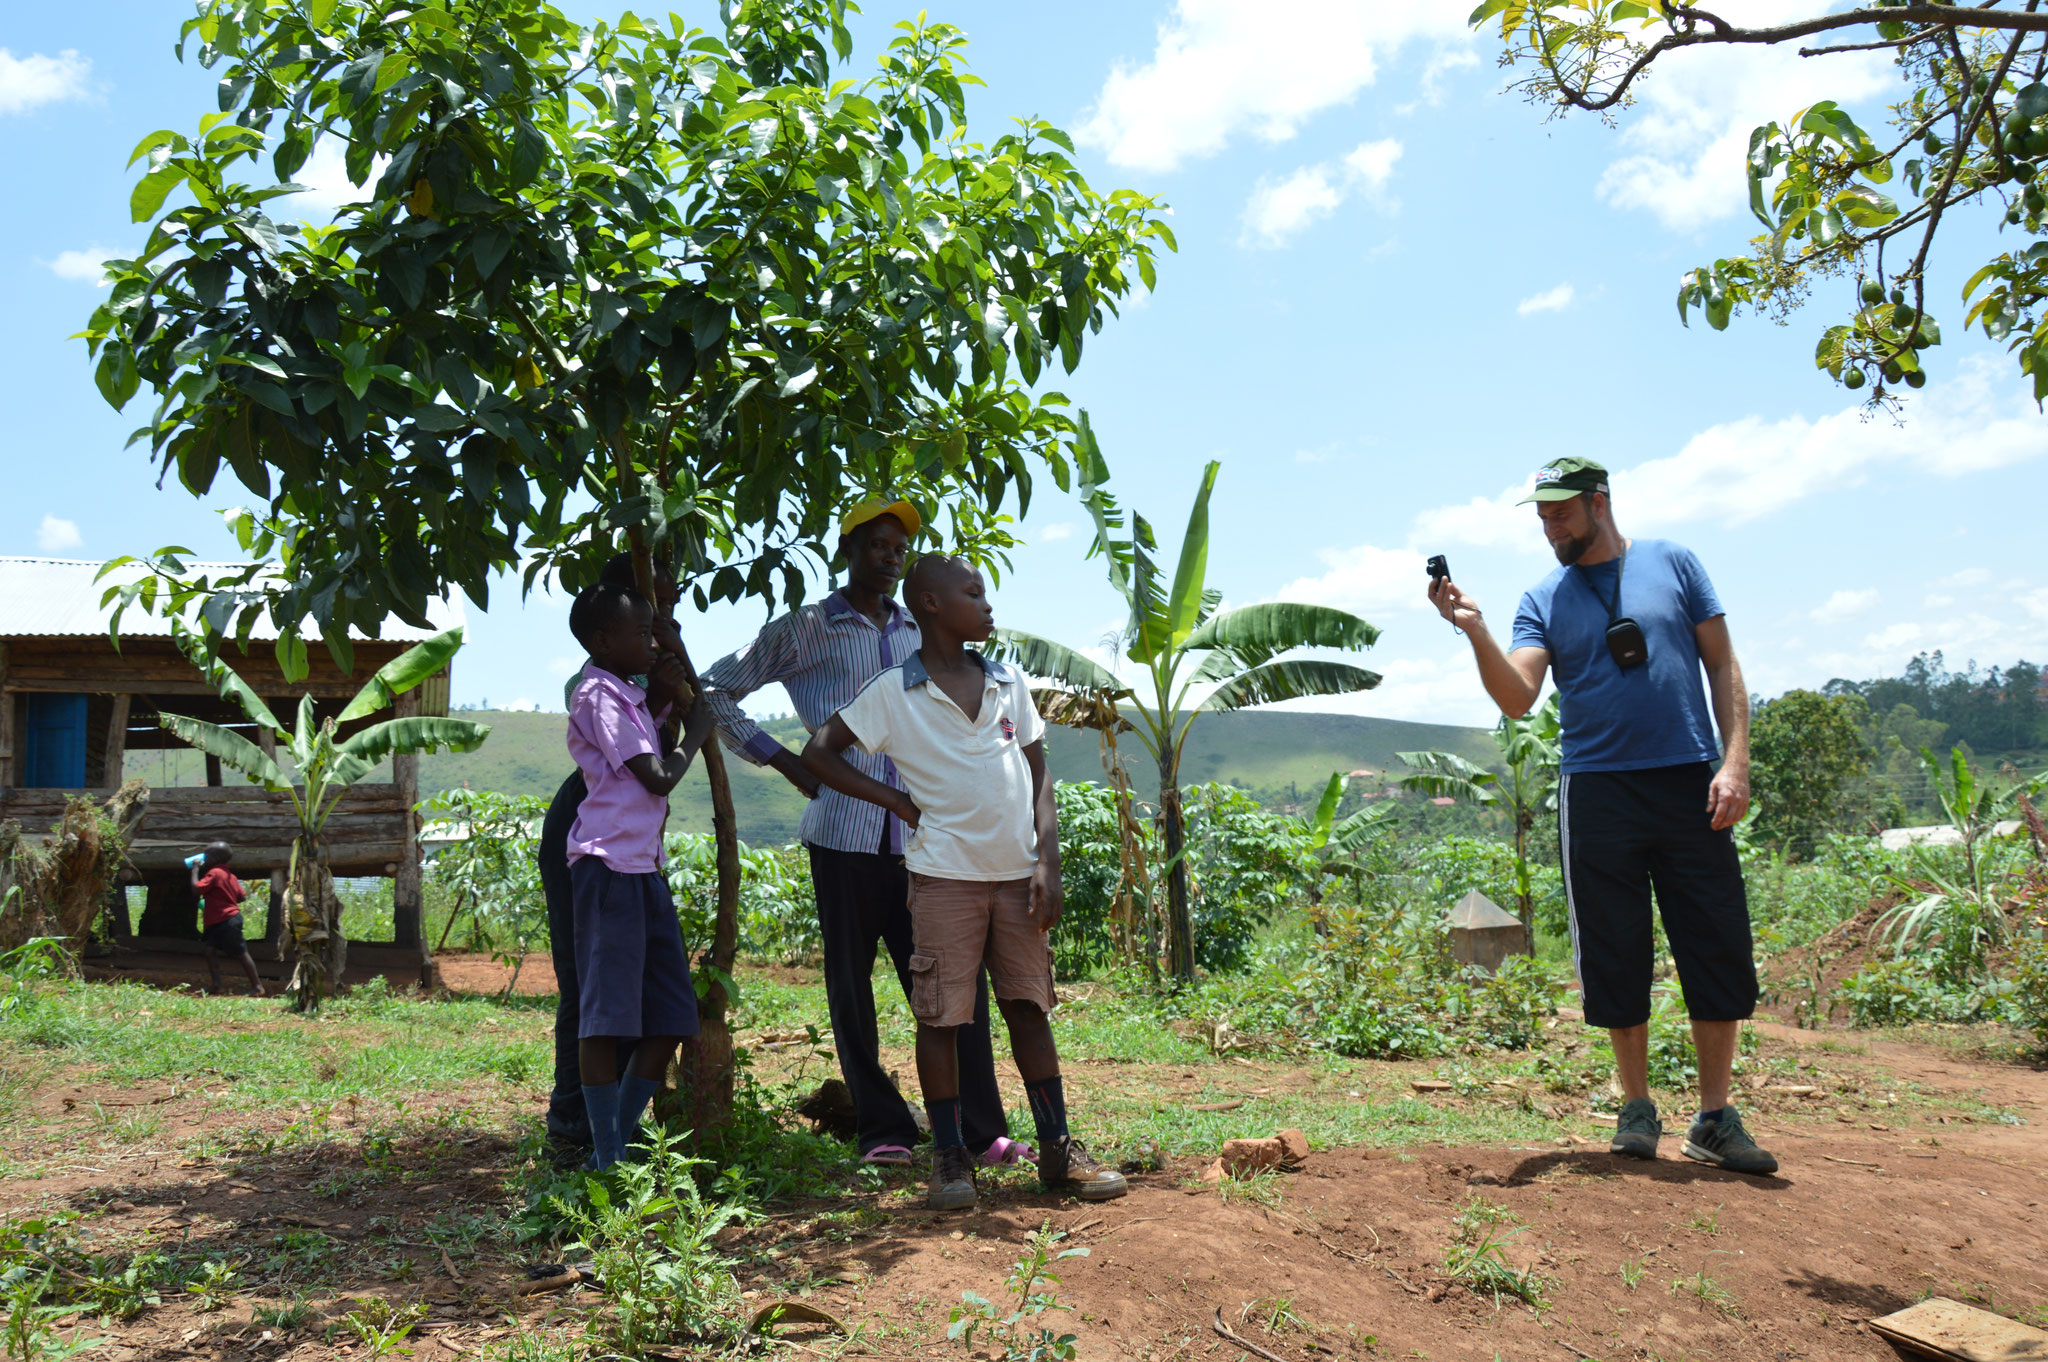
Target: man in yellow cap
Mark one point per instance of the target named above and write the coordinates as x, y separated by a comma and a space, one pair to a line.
822, 654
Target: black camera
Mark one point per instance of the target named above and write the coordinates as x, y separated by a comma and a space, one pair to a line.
1438, 568
1626, 644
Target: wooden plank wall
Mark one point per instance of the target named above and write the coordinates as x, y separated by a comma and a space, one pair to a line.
367, 833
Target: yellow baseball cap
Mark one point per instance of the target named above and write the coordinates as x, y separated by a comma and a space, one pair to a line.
861, 512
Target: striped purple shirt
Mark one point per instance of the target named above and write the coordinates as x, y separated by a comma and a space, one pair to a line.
822, 654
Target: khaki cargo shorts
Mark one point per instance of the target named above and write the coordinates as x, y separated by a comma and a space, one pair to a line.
958, 925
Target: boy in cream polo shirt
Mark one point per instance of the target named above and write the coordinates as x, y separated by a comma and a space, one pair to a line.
984, 862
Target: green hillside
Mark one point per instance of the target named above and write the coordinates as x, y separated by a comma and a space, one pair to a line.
1283, 758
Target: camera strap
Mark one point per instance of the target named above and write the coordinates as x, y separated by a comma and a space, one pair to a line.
1613, 607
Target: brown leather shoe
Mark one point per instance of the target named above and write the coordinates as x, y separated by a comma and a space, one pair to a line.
1067, 1166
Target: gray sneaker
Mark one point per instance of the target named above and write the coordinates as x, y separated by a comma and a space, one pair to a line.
1637, 1130
952, 1184
1725, 1144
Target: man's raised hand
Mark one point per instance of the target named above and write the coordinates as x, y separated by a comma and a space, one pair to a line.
1453, 604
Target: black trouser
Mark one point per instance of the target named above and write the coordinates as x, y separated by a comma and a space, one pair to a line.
864, 899
568, 1119
1620, 834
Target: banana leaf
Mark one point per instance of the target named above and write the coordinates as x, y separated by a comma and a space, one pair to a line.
236, 752
402, 673
1259, 633
1290, 680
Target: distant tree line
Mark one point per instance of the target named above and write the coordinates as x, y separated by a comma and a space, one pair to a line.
1989, 709
1848, 756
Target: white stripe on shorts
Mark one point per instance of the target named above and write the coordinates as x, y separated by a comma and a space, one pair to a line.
1564, 848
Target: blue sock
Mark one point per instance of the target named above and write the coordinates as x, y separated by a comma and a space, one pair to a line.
1048, 1109
1716, 1114
635, 1093
606, 1146
945, 1117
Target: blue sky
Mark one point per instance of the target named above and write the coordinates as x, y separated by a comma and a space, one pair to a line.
1399, 291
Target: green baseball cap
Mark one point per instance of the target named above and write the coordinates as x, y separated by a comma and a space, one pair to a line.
1565, 479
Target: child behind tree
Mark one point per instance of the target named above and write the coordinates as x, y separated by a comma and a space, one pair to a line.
220, 920
632, 977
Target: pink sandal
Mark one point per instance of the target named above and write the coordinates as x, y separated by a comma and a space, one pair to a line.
1008, 1153
893, 1155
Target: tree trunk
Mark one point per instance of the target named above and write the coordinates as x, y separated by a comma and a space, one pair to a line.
1525, 902
319, 946
1180, 932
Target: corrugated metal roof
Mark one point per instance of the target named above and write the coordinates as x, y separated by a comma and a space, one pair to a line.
58, 597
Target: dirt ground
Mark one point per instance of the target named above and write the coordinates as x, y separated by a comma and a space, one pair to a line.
1343, 1258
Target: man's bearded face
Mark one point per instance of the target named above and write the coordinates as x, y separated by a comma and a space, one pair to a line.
1569, 526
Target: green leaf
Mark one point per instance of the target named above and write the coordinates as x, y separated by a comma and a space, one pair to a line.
402, 673
1258, 633
1326, 809
1486, 10
1184, 603
1446, 774
235, 752
152, 189
223, 678
1290, 680
1041, 657
417, 734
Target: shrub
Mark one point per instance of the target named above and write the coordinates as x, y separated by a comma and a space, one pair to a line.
1903, 991
2026, 1004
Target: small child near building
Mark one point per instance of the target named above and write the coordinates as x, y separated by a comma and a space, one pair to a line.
220, 919
632, 976
984, 863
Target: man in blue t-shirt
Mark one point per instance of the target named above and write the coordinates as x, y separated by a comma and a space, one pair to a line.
1625, 627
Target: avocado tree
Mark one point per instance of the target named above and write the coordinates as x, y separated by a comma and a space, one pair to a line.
1805, 748
602, 280
1968, 129
326, 766
1181, 644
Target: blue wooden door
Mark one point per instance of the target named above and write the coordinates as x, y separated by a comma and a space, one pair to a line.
55, 748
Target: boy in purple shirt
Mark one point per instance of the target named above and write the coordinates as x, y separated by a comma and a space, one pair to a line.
631, 972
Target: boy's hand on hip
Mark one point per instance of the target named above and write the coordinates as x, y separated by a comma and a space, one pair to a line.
1728, 797
905, 808
1048, 897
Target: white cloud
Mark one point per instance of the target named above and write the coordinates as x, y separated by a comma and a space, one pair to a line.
2035, 603
1053, 533
82, 266
56, 533
1742, 470
1686, 139
1277, 210
1550, 300
1362, 579
1844, 604
29, 82
1498, 522
328, 187
1222, 68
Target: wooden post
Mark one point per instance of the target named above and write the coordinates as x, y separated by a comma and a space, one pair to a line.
407, 908
6, 725
273, 924
117, 742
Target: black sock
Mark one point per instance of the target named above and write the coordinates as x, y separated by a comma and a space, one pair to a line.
945, 1118
1048, 1109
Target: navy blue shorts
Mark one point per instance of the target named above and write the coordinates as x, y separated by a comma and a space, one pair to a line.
631, 972
1623, 834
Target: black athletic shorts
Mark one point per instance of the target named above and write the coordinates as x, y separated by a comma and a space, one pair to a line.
224, 936
1622, 833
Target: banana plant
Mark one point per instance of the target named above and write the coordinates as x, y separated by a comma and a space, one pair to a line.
326, 768
1530, 756
1336, 842
1181, 645
1968, 920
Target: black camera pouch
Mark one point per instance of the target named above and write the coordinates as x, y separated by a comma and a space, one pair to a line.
1625, 641
1626, 644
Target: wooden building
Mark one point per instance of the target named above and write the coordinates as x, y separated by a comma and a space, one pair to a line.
75, 712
